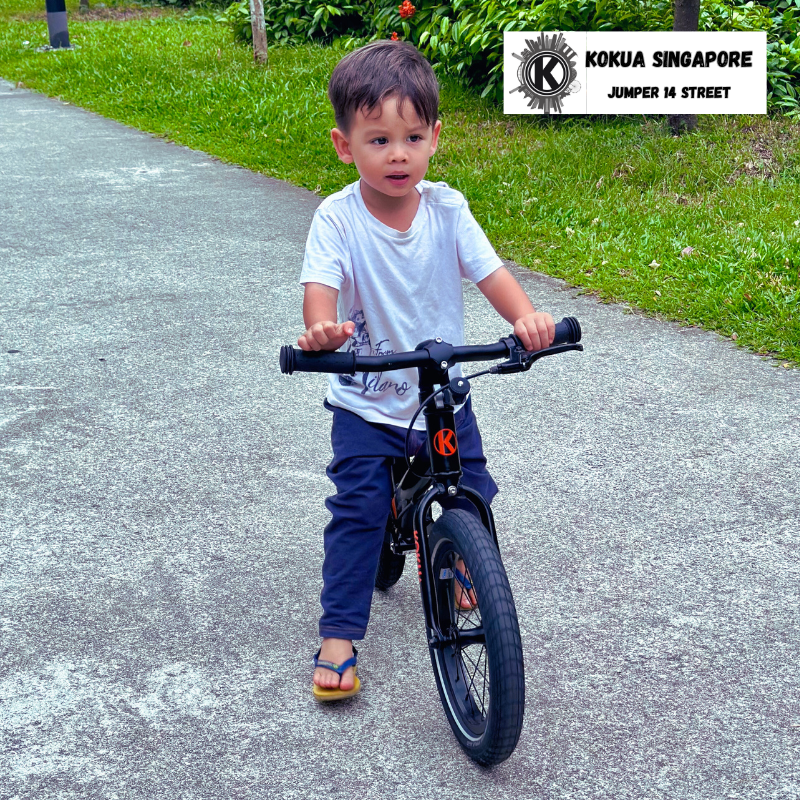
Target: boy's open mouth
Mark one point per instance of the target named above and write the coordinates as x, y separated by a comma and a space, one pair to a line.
398, 177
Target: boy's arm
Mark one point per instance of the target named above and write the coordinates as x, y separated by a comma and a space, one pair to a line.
319, 315
536, 329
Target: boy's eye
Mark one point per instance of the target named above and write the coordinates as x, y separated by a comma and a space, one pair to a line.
383, 139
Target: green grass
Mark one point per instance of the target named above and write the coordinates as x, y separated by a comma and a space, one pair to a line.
608, 204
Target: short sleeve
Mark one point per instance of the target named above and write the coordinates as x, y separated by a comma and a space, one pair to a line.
327, 256
476, 256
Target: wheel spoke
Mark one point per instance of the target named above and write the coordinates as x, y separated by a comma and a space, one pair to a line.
477, 669
471, 615
474, 671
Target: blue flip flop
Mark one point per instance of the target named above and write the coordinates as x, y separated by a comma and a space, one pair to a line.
462, 579
466, 585
336, 693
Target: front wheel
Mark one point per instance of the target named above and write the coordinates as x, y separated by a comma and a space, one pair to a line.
480, 671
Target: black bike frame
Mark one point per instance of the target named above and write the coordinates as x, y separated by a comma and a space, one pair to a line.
436, 477
441, 472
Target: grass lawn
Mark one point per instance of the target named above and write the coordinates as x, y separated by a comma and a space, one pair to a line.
702, 229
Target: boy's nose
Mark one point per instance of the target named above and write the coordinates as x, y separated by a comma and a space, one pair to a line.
398, 153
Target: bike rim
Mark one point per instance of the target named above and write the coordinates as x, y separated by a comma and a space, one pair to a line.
463, 668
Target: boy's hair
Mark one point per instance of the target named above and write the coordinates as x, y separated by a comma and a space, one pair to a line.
364, 78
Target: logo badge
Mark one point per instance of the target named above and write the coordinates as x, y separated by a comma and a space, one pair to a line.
547, 73
419, 559
445, 442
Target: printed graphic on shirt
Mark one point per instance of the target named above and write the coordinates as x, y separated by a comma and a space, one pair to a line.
360, 344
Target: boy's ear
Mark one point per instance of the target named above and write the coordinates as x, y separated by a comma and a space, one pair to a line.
342, 146
435, 139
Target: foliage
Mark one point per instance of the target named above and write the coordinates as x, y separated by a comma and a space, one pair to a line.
464, 38
294, 22
783, 56
781, 20
197, 5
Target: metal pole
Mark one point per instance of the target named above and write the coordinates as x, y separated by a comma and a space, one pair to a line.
57, 23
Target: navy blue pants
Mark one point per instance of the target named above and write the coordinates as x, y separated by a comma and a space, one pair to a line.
361, 472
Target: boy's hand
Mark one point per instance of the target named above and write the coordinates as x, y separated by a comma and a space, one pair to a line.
326, 335
536, 330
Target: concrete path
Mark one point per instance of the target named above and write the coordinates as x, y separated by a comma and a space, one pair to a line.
162, 500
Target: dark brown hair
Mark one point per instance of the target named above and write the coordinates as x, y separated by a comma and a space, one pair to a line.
364, 78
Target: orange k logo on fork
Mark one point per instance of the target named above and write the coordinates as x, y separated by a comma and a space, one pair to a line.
445, 442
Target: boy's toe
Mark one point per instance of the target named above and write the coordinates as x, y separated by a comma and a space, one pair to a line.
348, 680
326, 679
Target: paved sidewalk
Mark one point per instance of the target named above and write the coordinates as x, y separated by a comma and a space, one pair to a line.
162, 501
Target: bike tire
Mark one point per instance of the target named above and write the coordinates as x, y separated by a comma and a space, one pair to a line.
390, 564
485, 704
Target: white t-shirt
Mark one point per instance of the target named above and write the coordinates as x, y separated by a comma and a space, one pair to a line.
399, 288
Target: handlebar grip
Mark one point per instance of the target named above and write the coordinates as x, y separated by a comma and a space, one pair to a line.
568, 331
294, 360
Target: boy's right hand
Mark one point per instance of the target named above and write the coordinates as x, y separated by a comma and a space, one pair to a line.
326, 335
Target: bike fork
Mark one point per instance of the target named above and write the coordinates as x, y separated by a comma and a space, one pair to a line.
424, 566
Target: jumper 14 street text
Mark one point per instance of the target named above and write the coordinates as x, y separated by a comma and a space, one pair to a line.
649, 92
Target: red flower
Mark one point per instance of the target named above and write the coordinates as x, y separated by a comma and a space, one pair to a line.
395, 37
406, 9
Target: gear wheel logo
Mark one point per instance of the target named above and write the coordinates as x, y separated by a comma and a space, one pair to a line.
547, 73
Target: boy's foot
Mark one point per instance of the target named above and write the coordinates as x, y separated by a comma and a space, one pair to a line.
337, 651
464, 593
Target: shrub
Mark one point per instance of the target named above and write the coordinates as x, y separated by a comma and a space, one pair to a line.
465, 37
781, 20
294, 22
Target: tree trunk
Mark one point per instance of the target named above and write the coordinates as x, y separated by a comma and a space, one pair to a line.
259, 31
687, 18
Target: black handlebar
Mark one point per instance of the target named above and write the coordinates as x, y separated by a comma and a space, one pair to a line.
568, 331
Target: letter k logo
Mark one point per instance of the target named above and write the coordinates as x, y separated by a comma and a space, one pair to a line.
544, 72
445, 442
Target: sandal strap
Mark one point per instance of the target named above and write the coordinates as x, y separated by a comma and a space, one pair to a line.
337, 668
462, 578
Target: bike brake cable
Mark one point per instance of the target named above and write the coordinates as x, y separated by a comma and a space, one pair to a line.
427, 400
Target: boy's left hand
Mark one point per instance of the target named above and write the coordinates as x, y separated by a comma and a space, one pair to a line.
536, 330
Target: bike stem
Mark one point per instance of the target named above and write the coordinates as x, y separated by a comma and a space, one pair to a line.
439, 415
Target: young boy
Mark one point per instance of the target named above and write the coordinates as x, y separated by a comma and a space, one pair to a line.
382, 272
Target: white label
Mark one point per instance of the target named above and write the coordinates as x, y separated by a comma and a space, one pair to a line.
660, 72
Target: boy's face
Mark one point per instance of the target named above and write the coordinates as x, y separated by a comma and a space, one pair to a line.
391, 152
